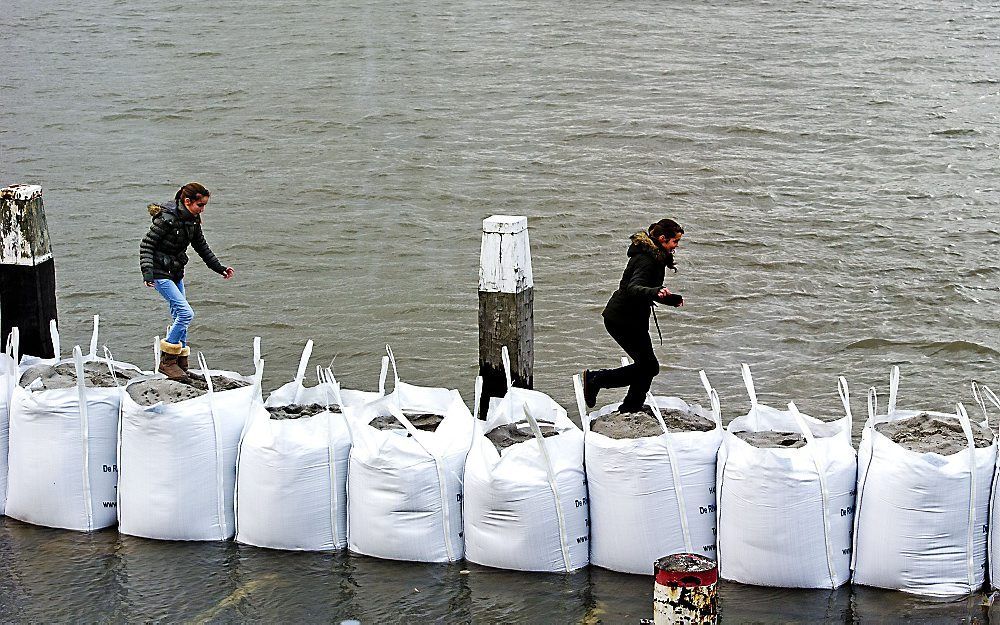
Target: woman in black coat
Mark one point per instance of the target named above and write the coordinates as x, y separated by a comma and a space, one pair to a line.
626, 316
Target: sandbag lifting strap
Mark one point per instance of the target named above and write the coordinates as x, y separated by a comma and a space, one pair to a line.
845, 398
752, 392
327, 379
675, 473
14, 344
713, 399
824, 490
93, 337
331, 453
438, 461
300, 374
893, 388
54, 333
863, 478
81, 389
549, 471
250, 422
220, 494
986, 392
963, 418
382, 375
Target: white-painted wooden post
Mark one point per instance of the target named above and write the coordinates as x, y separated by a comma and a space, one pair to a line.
27, 269
506, 306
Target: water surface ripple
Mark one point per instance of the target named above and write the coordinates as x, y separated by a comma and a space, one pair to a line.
834, 165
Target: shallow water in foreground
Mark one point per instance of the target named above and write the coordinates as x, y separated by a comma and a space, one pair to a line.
51, 575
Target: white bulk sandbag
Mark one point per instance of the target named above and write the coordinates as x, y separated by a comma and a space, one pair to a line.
177, 461
921, 521
651, 496
62, 466
785, 514
525, 507
8, 380
21, 364
291, 478
404, 487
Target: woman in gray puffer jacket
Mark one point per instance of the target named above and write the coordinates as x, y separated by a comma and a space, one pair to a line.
626, 316
162, 257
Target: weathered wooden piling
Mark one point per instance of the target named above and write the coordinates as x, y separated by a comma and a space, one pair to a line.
506, 306
27, 269
685, 591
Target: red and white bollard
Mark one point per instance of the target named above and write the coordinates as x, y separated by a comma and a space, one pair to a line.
685, 590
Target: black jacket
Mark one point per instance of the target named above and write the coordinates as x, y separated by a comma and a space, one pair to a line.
163, 251
641, 282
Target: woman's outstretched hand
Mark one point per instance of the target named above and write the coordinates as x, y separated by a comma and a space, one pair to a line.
666, 297
228, 273
149, 283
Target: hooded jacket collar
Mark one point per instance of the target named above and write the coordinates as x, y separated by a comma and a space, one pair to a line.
642, 243
171, 207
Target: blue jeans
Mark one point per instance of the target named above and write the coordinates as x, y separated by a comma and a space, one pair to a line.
180, 310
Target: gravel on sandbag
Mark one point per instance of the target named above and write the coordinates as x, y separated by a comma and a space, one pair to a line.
219, 383
96, 375
623, 425
504, 436
422, 421
924, 433
773, 440
153, 391
298, 411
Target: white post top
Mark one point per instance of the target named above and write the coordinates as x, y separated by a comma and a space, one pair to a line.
505, 257
505, 224
24, 235
21, 192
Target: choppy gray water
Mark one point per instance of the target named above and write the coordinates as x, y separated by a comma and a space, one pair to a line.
834, 164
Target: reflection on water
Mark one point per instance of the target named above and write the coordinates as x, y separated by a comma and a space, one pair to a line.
55, 575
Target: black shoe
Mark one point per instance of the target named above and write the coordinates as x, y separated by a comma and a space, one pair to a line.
590, 389
644, 409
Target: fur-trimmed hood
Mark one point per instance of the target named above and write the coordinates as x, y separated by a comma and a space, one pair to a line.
642, 243
171, 209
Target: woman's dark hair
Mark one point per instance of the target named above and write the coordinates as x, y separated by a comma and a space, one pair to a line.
670, 229
190, 191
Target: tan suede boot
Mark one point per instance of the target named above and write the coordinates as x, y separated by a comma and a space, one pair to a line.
169, 353
182, 359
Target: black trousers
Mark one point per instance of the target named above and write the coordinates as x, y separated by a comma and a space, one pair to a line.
637, 376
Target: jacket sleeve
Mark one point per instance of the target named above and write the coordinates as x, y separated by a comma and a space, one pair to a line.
147, 249
200, 245
642, 283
